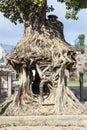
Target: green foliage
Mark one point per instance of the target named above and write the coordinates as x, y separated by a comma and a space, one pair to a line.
81, 38
12, 9
79, 43
39, 2
49, 9
73, 6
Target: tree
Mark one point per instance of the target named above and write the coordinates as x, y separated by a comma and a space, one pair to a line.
73, 6
81, 38
17, 10
44, 50
79, 43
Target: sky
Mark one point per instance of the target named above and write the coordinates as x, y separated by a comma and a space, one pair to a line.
11, 34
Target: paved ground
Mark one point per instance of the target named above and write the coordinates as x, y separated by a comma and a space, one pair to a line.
65, 122
42, 128
60, 122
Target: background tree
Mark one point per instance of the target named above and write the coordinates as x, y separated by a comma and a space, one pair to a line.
79, 43
42, 49
81, 38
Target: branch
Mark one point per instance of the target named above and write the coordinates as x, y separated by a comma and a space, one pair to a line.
39, 71
17, 7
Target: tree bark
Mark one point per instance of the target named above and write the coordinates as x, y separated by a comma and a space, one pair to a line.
43, 48
25, 86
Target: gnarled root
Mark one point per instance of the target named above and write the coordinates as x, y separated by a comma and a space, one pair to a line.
66, 102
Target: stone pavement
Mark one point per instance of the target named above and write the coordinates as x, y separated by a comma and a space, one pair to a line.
52, 120
42, 128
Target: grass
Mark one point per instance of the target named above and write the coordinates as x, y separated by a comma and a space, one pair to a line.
74, 81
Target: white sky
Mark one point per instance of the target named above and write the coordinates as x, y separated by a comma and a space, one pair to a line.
11, 34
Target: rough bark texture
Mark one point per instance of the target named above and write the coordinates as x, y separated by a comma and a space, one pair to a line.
46, 52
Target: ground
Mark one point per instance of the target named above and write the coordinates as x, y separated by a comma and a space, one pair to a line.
52, 122
42, 128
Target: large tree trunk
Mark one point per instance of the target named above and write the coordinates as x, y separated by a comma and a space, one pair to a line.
65, 100
44, 49
25, 83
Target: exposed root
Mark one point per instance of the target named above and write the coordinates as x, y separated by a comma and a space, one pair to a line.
68, 104
49, 55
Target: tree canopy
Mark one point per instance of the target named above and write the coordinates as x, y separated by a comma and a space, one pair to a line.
20, 10
81, 38
79, 43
